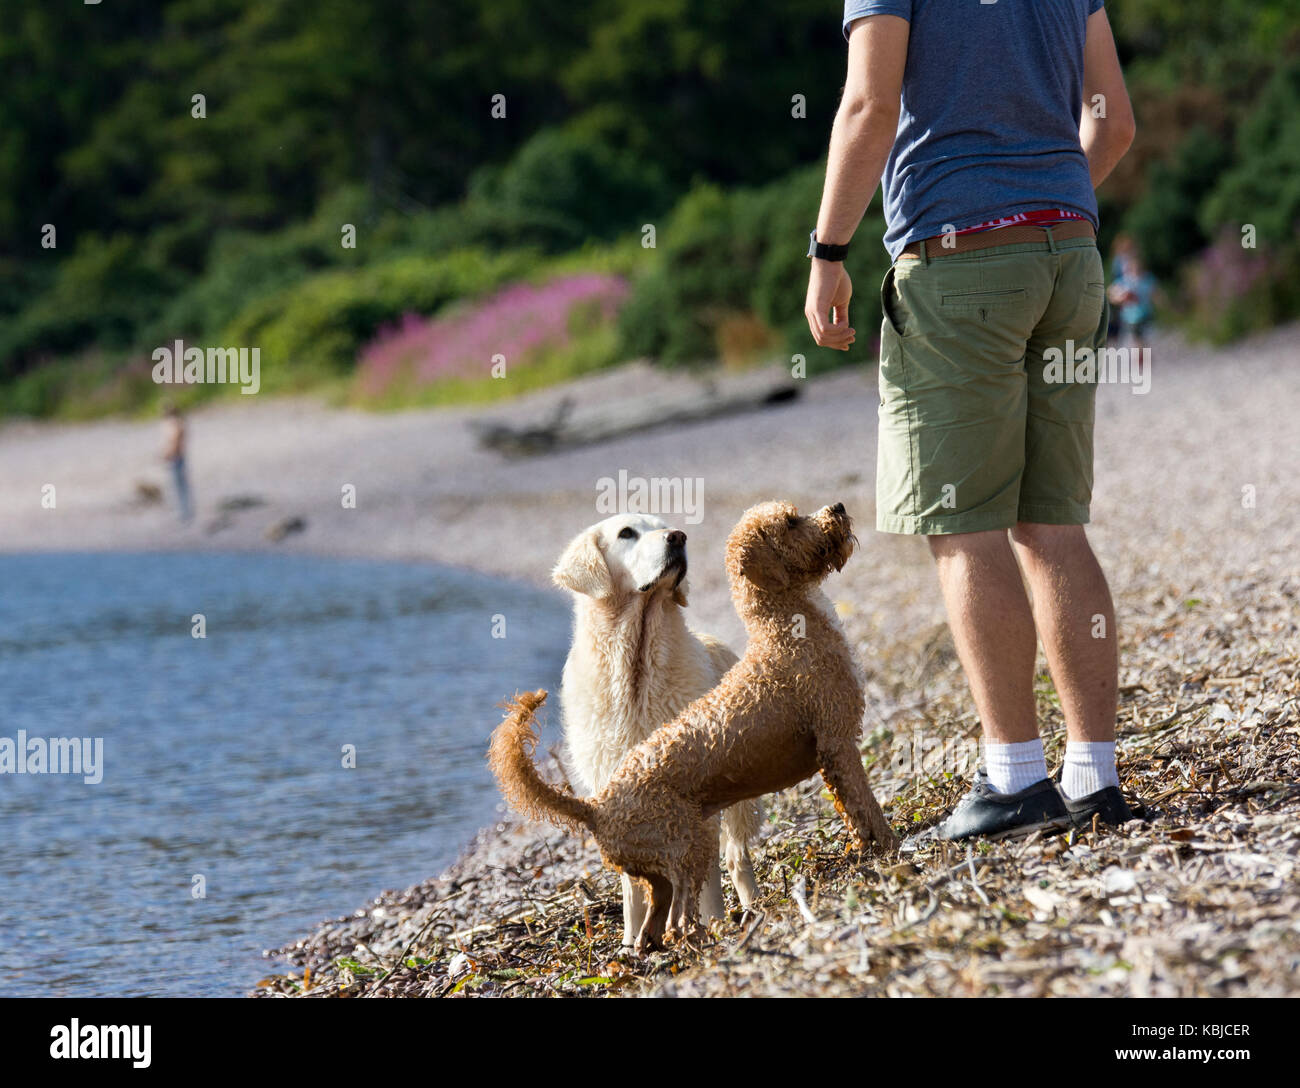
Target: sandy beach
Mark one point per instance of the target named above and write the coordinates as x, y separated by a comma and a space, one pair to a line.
1171, 468
425, 490
1194, 520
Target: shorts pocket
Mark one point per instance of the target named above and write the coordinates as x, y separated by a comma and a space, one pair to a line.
984, 298
895, 317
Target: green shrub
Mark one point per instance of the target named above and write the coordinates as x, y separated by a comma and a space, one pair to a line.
38, 392
789, 212
1262, 187
83, 386
564, 187
313, 329
723, 254
243, 267
702, 268
1227, 288
22, 281
1232, 291
99, 295
1165, 222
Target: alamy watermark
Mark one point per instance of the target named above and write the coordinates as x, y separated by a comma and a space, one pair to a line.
918, 755
114, 1042
1109, 366
53, 755
629, 494
179, 365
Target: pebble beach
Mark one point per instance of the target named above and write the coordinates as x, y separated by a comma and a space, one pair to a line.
1194, 521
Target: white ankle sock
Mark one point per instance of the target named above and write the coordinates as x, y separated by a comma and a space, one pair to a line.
1014, 767
1089, 767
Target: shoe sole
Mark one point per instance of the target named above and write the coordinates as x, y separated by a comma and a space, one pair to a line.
1059, 823
1084, 823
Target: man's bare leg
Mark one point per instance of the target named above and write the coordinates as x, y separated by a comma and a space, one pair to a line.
1076, 621
993, 628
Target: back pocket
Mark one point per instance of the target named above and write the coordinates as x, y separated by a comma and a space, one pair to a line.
984, 298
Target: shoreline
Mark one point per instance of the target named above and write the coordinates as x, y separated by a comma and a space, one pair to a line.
1170, 528
425, 490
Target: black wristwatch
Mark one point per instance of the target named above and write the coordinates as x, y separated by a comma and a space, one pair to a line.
824, 252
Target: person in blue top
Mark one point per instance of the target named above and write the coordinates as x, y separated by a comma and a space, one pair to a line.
990, 123
1122, 248
1133, 291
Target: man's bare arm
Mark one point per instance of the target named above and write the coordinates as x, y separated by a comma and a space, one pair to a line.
1104, 139
865, 123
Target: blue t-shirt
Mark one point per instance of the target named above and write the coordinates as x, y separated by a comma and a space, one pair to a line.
989, 126
1141, 287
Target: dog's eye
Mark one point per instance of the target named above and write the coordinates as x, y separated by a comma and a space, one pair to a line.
627, 533
791, 520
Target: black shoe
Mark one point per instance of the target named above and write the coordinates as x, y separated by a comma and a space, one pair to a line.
1108, 804
984, 813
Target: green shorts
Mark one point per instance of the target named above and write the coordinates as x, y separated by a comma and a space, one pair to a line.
976, 432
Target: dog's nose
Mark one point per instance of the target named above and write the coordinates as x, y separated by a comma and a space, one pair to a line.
838, 508
676, 538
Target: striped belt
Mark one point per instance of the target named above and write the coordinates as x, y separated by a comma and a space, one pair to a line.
1000, 236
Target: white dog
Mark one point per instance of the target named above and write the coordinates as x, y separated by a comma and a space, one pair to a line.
634, 665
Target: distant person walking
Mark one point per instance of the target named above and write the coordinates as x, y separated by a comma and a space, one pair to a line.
174, 454
1123, 247
1133, 293
992, 125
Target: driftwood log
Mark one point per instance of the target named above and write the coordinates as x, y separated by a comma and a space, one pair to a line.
565, 428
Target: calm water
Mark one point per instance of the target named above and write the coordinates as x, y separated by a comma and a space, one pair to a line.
223, 756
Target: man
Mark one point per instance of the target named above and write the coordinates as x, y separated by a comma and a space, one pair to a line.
174, 454
992, 124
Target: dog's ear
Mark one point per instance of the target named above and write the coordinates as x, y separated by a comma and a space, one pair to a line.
760, 564
582, 568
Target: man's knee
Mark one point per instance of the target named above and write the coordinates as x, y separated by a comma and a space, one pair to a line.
946, 545
1048, 540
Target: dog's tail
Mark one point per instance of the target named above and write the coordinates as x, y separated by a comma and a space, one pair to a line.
510, 756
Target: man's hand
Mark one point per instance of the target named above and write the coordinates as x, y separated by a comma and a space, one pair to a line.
827, 305
865, 125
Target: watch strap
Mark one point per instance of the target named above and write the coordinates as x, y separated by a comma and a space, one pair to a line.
824, 252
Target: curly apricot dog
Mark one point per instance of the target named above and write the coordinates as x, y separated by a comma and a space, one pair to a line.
791, 706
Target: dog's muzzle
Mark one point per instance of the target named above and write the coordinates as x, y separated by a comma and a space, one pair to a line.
838, 527
674, 564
